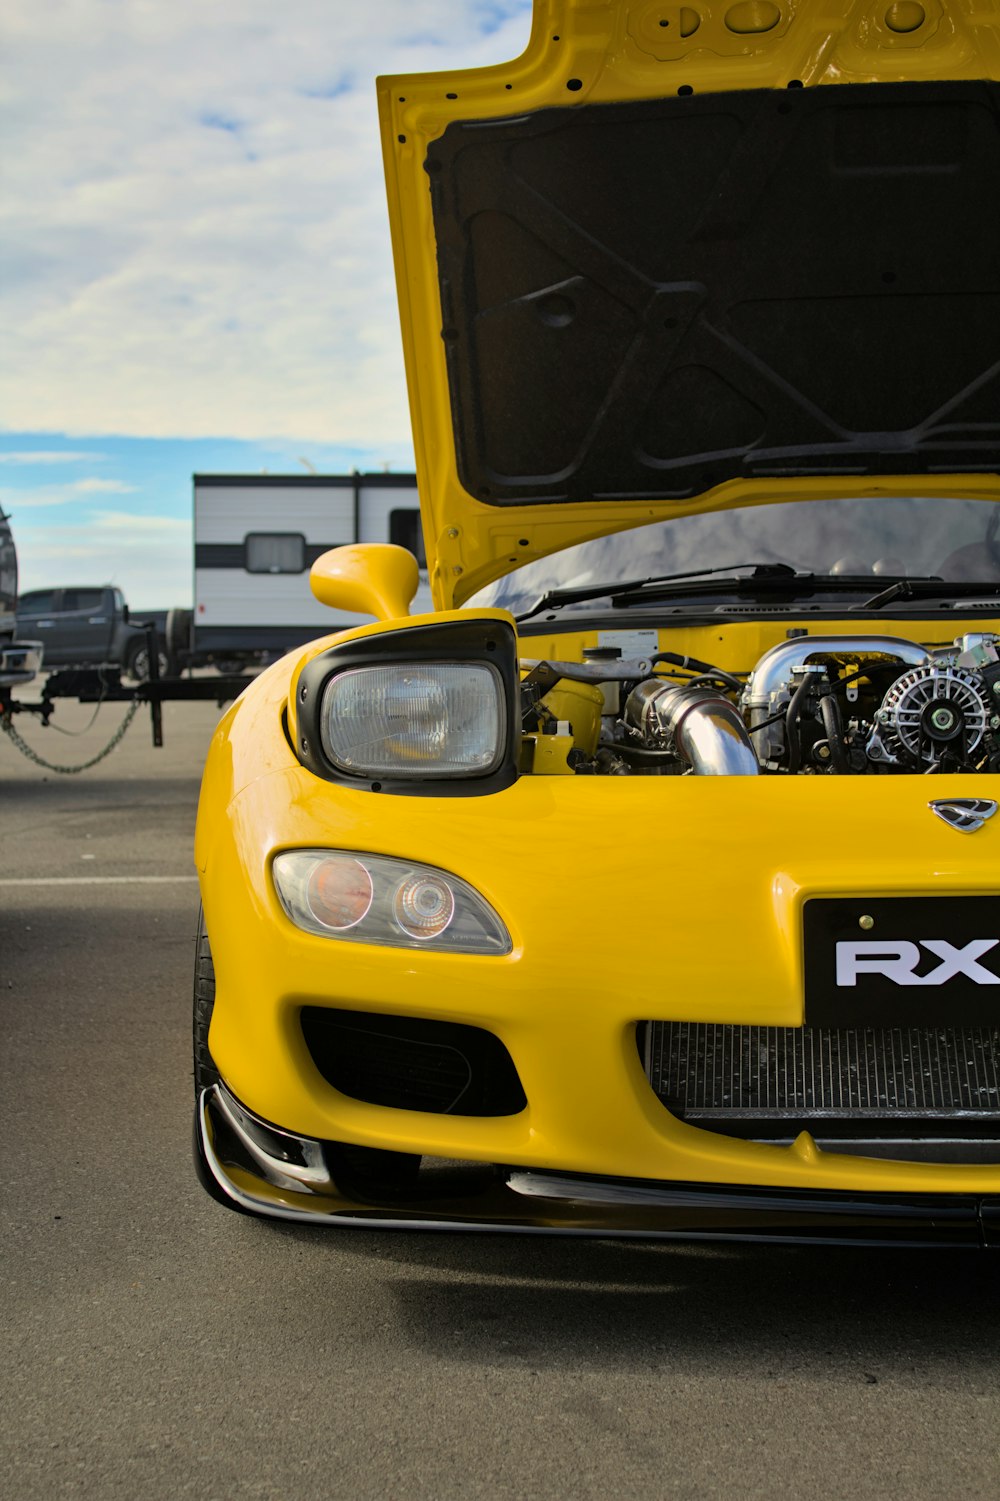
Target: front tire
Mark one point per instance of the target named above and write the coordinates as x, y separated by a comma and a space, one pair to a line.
205, 1071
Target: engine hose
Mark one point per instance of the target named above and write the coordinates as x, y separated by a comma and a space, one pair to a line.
695, 664
833, 724
645, 754
792, 737
711, 680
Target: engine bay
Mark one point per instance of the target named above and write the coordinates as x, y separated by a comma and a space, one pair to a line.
831, 705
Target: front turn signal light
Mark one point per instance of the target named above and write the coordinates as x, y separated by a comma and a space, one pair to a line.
377, 899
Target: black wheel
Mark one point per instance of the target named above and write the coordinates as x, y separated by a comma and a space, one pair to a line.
137, 666
177, 632
205, 1071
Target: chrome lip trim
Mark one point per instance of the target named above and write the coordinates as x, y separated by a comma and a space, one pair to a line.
309, 1177
732, 1213
966, 814
623, 1193
335, 1210
217, 1096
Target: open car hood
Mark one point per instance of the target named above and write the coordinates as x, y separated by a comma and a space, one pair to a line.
651, 268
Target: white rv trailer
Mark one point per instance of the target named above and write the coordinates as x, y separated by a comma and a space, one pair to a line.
256, 537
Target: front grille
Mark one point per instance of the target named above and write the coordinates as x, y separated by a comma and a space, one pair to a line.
703, 1072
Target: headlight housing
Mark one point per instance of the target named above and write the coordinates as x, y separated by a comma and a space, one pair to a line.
423, 719
365, 898
431, 708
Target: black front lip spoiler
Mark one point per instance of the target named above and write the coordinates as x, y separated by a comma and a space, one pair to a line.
257, 1168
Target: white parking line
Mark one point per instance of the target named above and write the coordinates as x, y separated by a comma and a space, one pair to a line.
94, 880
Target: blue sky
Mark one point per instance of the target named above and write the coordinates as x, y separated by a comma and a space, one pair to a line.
195, 274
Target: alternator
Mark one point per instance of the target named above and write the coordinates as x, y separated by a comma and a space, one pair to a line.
928, 712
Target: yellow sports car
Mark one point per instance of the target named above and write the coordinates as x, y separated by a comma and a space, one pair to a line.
650, 886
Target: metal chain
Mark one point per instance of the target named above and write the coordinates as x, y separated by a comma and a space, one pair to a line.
7, 725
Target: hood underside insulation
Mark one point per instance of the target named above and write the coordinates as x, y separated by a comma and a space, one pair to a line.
652, 298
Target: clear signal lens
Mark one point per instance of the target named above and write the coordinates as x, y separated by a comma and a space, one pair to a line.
339, 892
364, 898
424, 906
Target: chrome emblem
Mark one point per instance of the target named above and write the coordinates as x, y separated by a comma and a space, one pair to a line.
967, 814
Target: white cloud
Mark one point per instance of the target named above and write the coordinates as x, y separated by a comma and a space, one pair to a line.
61, 495
198, 222
43, 456
101, 486
168, 527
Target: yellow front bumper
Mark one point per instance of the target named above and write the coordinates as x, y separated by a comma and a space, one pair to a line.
627, 899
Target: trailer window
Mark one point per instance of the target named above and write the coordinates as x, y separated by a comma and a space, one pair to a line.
274, 552
405, 530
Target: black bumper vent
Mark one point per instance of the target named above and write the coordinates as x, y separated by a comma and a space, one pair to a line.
412, 1063
706, 1073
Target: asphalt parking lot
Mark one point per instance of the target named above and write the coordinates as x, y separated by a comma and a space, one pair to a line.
155, 1345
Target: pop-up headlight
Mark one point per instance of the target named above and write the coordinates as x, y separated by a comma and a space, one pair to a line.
426, 709
428, 719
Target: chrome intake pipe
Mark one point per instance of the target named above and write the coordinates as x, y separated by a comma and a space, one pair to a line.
699, 724
770, 686
773, 672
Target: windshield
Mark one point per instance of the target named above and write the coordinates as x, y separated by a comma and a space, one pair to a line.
956, 540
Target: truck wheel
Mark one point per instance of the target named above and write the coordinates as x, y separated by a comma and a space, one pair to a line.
177, 633
137, 666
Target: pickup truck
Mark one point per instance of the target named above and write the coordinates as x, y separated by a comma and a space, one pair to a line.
87, 624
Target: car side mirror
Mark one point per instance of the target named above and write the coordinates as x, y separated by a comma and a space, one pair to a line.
369, 578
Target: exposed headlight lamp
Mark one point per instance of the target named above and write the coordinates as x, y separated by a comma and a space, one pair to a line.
428, 719
378, 899
428, 708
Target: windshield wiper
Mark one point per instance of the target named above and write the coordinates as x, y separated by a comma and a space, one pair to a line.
556, 598
768, 579
928, 587
896, 586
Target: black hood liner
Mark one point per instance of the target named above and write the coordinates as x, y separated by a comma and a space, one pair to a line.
648, 299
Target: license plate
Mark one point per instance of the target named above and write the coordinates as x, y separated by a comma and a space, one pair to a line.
902, 961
